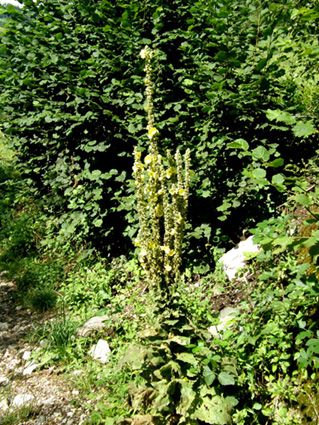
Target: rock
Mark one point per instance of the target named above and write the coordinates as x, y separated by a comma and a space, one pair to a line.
41, 420
48, 401
4, 405
26, 355
235, 259
78, 372
101, 351
30, 367
4, 382
226, 319
4, 326
22, 399
94, 324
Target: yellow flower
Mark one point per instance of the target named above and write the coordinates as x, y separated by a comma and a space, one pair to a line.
143, 253
153, 132
148, 159
181, 192
173, 191
168, 268
168, 250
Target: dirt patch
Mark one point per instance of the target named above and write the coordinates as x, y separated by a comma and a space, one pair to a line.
54, 400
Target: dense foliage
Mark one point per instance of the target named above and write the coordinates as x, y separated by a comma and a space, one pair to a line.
72, 95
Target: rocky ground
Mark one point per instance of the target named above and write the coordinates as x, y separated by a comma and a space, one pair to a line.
49, 398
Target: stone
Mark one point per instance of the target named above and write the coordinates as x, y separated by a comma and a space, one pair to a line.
4, 405
48, 402
235, 259
94, 324
226, 319
22, 400
30, 367
4, 382
41, 420
26, 355
4, 326
101, 351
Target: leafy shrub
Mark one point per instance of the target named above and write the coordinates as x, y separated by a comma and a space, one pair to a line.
76, 109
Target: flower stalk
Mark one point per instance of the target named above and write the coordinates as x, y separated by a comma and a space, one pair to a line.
162, 190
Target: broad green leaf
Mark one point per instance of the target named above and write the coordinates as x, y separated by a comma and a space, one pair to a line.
280, 116
239, 144
278, 179
181, 340
303, 199
187, 398
304, 129
276, 163
225, 379
261, 153
98, 222
214, 411
209, 375
259, 173
187, 358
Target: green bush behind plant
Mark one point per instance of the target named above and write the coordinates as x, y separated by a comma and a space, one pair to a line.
71, 96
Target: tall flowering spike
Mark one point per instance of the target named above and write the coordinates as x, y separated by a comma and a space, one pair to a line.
162, 199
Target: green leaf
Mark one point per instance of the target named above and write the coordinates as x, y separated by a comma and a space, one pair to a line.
181, 340
239, 144
209, 376
276, 163
259, 173
187, 358
261, 153
225, 379
280, 116
98, 222
304, 129
213, 411
278, 179
303, 199
257, 406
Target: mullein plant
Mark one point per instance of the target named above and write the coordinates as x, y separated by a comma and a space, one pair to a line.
162, 189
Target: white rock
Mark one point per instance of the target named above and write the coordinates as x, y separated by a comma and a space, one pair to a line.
4, 381
101, 351
235, 259
4, 326
26, 355
30, 367
48, 401
226, 320
22, 399
78, 372
4, 405
94, 324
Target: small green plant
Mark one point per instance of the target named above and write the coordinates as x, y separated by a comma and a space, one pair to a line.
58, 339
42, 299
19, 415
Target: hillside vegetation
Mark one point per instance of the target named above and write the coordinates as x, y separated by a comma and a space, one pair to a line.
126, 171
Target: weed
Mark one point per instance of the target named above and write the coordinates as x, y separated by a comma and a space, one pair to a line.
42, 299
